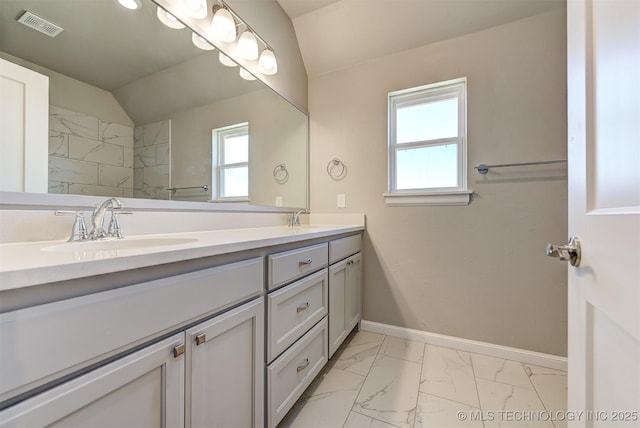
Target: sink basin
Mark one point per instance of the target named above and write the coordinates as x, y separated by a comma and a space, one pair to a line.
117, 244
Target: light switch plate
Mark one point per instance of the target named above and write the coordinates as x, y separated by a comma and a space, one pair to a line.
341, 200
278, 201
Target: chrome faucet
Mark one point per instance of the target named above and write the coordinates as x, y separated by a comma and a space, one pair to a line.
294, 219
97, 218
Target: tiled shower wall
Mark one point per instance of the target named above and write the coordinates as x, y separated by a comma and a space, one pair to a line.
89, 156
151, 160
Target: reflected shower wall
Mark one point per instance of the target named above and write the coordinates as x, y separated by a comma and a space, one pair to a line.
88, 155
152, 150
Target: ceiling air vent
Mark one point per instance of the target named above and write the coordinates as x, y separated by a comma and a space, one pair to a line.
40, 24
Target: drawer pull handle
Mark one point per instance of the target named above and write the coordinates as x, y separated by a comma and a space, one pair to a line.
303, 307
178, 350
305, 262
200, 339
304, 365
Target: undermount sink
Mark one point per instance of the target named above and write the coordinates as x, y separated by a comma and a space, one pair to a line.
117, 244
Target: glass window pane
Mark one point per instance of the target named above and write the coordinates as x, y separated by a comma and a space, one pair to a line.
236, 149
427, 121
235, 182
427, 167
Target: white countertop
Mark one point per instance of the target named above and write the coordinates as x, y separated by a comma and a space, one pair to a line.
34, 263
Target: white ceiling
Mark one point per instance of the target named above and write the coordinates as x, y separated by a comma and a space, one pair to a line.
295, 8
333, 34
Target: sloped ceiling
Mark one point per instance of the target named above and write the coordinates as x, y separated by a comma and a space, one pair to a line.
150, 69
335, 34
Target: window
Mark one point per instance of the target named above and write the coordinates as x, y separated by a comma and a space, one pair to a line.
427, 145
230, 173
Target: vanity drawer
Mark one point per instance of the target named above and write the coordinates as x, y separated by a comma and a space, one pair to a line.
293, 371
290, 265
49, 341
344, 247
294, 309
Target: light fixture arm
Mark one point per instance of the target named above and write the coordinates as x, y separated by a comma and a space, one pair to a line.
239, 22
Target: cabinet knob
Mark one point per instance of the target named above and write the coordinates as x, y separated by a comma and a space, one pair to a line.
305, 262
178, 350
201, 338
303, 366
303, 307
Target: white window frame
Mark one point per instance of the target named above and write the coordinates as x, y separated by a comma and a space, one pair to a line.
218, 167
459, 195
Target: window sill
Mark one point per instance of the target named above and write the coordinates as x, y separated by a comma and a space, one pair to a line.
230, 200
457, 197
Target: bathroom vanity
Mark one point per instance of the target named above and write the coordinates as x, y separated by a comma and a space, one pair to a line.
221, 328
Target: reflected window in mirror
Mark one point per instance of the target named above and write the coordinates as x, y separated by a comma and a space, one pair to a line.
231, 163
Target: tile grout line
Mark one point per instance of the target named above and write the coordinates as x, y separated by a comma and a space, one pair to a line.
415, 413
475, 382
363, 382
537, 392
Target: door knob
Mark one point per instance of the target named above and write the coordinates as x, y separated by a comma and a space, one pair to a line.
570, 252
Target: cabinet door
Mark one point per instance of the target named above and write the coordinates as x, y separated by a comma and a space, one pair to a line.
143, 389
225, 369
354, 291
338, 322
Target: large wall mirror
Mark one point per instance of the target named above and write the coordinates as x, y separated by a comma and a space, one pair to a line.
138, 110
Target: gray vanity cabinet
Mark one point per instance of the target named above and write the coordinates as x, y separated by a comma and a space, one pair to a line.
297, 339
345, 289
143, 389
208, 373
225, 371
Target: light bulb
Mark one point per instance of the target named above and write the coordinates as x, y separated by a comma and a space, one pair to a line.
267, 63
201, 43
195, 8
225, 60
246, 75
130, 4
223, 27
169, 20
248, 45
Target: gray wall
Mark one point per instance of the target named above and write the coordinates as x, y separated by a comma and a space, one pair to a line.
277, 134
74, 95
268, 19
476, 271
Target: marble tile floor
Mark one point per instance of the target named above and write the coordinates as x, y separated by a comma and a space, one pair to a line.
379, 381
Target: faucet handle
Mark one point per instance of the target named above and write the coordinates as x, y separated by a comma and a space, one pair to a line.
79, 228
114, 225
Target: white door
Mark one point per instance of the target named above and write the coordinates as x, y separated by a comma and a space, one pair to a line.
604, 210
24, 129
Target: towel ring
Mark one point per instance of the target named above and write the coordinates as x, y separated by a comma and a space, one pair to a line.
336, 169
280, 173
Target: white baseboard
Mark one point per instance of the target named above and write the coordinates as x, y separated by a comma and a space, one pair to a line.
498, 351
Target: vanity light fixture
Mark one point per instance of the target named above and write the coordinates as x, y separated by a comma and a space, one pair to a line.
169, 20
248, 45
246, 75
201, 43
223, 26
267, 63
225, 60
195, 8
131, 4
